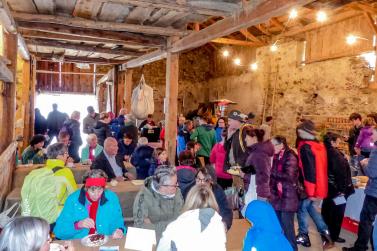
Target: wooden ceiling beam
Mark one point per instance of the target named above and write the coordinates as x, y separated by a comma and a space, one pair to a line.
366, 7
250, 36
114, 37
63, 37
6, 18
81, 47
242, 19
236, 42
263, 29
371, 22
186, 8
247, 17
274, 21
315, 25
146, 59
71, 59
99, 25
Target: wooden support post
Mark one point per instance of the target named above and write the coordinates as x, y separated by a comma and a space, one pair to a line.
26, 93
172, 72
33, 84
128, 90
8, 111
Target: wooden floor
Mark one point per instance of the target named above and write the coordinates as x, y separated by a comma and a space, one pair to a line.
316, 240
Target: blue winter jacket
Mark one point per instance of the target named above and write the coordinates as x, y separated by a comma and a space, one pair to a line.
265, 233
371, 171
218, 132
142, 159
109, 216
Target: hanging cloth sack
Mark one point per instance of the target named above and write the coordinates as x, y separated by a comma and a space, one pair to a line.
142, 102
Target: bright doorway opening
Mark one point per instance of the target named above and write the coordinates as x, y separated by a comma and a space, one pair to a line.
67, 103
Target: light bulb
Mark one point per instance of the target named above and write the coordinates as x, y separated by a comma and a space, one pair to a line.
321, 16
273, 48
293, 14
226, 53
254, 66
351, 39
237, 61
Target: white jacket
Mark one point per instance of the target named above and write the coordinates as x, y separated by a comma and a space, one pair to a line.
199, 230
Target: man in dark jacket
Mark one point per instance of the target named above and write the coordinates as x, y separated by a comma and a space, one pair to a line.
90, 120
340, 186
142, 159
235, 145
354, 132
40, 123
72, 126
111, 163
369, 211
129, 128
313, 167
55, 120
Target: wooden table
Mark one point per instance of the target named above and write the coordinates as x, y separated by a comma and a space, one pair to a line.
126, 192
22, 171
235, 238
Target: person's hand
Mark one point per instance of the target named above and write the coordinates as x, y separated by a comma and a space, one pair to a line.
314, 199
129, 176
86, 223
119, 179
357, 150
364, 162
68, 246
70, 160
118, 234
126, 157
147, 221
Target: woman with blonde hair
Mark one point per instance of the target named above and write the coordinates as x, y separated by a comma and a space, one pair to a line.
201, 223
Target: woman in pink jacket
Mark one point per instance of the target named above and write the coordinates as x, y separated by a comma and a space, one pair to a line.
217, 158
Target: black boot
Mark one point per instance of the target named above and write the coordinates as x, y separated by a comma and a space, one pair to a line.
326, 240
303, 239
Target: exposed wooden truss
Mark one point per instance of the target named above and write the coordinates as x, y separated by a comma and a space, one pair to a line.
101, 25
48, 57
111, 36
82, 47
236, 42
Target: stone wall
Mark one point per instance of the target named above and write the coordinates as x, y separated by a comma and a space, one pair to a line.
333, 88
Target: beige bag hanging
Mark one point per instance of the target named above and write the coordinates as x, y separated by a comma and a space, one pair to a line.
142, 102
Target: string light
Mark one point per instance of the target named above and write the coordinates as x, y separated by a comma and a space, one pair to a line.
293, 14
254, 66
226, 53
274, 47
351, 39
321, 16
237, 61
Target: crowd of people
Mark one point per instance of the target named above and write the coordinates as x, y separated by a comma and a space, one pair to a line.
218, 160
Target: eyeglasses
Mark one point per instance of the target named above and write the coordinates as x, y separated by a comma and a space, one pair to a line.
201, 180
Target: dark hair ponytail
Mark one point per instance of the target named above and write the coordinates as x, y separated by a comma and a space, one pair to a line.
281, 140
330, 137
260, 134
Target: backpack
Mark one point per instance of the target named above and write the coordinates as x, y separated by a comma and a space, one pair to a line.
39, 194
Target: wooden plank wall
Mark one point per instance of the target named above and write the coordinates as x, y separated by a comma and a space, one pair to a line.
70, 83
329, 41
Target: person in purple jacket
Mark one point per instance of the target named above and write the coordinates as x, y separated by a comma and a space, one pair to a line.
258, 162
283, 187
364, 143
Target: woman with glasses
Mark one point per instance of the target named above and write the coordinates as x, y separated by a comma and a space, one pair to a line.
206, 176
159, 202
27, 234
199, 227
92, 209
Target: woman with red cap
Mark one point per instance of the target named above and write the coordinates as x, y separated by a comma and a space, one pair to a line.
92, 209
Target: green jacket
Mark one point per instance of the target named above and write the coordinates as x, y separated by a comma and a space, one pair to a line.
161, 211
206, 136
85, 152
30, 154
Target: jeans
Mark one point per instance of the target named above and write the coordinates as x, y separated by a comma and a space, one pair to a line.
367, 217
286, 220
307, 207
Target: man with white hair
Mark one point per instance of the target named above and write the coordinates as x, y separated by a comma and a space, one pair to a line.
72, 126
110, 162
